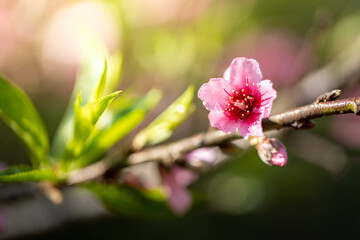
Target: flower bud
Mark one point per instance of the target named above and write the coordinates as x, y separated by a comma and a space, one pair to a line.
272, 152
202, 157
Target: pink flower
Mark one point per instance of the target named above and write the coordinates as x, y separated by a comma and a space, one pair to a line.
239, 100
272, 152
175, 181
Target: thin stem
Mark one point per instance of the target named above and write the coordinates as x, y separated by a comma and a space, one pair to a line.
298, 118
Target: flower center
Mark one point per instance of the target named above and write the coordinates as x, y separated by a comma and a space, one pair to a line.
239, 106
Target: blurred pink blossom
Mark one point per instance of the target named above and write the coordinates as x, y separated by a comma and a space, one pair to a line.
346, 127
240, 100
206, 154
161, 12
272, 152
175, 182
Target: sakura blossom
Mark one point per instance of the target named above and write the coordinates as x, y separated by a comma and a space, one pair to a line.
239, 100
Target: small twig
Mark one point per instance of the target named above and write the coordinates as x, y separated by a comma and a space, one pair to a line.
298, 118
93, 171
312, 111
329, 96
291, 118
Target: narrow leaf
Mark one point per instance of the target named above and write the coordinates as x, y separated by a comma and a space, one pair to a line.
164, 125
85, 119
24, 173
123, 116
99, 89
19, 113
99, 73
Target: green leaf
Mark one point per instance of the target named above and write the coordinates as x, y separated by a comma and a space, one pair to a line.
99, 89
114, 69
122, 117
19, 113
24, 173
85, 119
99, 73
126, 200
164, 125
88, 82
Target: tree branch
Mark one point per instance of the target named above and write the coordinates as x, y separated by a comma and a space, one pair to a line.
298, 118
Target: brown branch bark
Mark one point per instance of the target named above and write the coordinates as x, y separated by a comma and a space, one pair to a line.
298, 118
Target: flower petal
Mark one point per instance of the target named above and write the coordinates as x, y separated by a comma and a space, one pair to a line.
227, 74
213, 93
241, 68
251, 126
175, 182
268, 94
220, 121
183, 176
180, 200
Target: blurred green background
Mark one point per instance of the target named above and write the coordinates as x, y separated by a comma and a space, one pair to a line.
169, 44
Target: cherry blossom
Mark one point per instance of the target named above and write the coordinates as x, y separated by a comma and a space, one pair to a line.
239, 100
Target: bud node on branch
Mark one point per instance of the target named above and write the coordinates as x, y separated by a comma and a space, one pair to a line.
298, 118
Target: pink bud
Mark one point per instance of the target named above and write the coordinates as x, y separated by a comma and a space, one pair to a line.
272, 152
202, 156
